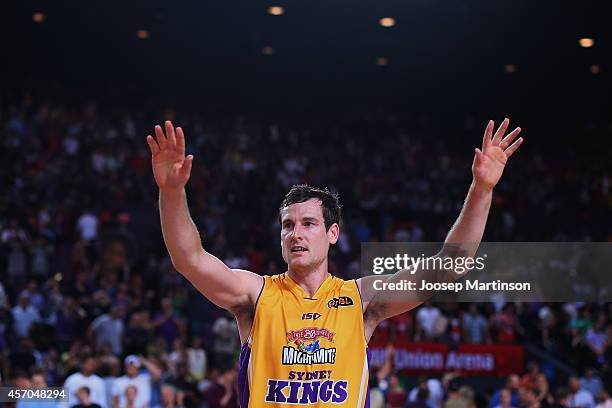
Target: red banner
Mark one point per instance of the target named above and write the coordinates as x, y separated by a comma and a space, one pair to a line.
436, 358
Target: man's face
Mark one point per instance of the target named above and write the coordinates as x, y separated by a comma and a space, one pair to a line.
574, 384
89, 366
304, 240
131, 370
38, 381
515, 382
506, 397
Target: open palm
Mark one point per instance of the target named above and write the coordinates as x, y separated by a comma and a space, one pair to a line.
171, 168
489, 162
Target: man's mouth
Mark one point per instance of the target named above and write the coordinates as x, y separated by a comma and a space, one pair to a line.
298, 248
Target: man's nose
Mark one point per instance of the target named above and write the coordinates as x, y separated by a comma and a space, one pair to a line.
297, 231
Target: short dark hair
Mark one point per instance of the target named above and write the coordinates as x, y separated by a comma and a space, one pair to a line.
330, 202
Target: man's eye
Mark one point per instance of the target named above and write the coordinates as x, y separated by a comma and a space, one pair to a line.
308, 223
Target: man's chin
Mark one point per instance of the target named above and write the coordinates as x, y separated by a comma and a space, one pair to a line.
300, 264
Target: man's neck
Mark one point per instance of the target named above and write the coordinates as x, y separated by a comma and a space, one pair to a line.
310, 280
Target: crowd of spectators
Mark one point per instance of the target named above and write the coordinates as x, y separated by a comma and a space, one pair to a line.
89, 298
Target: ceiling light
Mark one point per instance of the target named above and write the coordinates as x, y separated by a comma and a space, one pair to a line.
387, 21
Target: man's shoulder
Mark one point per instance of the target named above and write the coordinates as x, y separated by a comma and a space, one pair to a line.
100, 319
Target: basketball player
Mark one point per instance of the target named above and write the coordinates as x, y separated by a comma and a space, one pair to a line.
304, 333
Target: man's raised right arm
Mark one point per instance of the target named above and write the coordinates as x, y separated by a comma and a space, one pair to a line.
227, 288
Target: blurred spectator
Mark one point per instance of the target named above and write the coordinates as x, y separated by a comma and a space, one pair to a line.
427, 317
177, 356
168, 324
89, 386
379, 380
170, 398
455, 398
529, 379
36, 298
597, 339
528, 398
40, 251
474, 325
222, 392
184, 385
579, 397
196, 360
226, 341
505, 399
137, 334
512, 385
605, 399
421, 399
83, 396
24, 316
87, 225
133, 377
434, 391
38, 382
396, 395
25, 358
505, 325
70, 318
592, 383
108, 329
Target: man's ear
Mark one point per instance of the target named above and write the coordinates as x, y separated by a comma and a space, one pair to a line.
333, 233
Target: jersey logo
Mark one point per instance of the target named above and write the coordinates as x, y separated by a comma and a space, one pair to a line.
310, 333
340, 301
310, 354
310, 316
307, 349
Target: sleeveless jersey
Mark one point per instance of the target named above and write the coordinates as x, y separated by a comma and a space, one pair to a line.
305, 351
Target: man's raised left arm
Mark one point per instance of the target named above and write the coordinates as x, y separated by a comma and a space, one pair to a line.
464, 236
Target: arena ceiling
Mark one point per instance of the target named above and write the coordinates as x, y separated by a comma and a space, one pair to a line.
440, 54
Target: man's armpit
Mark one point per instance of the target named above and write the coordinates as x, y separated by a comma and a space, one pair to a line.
244, 312
376, 311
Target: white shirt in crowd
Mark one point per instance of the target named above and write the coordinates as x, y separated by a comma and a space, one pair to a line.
436, 393
87, 225
142, 382
23, 319
582, 398
196, 360
95, 384
606, 404
227, 337
108, 330
427, 317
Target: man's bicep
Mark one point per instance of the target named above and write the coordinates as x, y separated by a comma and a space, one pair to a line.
225, 287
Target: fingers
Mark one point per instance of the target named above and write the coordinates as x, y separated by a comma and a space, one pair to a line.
513, 147
169, 139
152, 145
508, 139
161, 139
180, 140
500, 132
170, 133
486, 139
186, 169
478, 154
